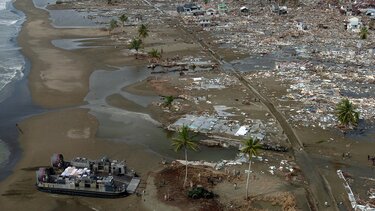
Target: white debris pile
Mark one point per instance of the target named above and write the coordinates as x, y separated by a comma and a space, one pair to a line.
284, 167
213, 124
197, 163
220, 82
239, 160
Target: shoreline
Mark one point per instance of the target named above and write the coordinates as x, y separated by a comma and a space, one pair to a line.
16, 104
59, 79
16, 108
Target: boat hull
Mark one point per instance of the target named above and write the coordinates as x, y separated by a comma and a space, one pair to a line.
85, 193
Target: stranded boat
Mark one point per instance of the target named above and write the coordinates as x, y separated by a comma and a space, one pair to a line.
95, 178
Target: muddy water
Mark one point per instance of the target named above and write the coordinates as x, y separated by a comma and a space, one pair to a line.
268, 61
77, 19
132, 127
73, 44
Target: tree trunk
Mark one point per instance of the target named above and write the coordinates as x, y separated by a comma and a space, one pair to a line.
185, 180
247, 181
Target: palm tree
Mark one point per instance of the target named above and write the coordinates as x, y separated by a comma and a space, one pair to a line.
112, 25
363, 33
136, 44
250, 148
346, 113
123, 18
143, 31
184, 141
154, 53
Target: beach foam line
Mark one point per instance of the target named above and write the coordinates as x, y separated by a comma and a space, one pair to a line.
13, 73
2, 48
7, 22
119, 114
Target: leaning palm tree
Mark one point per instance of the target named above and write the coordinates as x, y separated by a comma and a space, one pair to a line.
346, 113
123, 18
136, 45
363, 33
112, 25
250, 148
184, 141
143, 31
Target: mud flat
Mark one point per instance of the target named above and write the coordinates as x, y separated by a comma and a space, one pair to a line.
59, 79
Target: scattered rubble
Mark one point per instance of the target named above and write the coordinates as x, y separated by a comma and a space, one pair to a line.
365, 205
318, 89
340, 64
213, 125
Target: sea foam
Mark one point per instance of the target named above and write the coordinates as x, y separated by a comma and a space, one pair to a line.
8, 22
12, 62
3, 4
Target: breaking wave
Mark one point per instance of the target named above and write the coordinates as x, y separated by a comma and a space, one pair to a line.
12, 63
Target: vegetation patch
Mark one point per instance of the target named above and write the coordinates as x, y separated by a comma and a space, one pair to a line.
200, 192
197, 195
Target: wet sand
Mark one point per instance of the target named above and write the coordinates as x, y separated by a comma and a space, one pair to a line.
59, 80
71, 132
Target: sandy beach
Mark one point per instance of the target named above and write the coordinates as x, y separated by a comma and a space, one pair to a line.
59, 79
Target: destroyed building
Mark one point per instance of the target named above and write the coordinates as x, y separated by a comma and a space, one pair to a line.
188, 8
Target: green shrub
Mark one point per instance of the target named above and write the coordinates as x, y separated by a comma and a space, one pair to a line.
199, 192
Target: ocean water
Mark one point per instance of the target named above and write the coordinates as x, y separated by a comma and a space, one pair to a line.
12, 63
79, 19
4, 153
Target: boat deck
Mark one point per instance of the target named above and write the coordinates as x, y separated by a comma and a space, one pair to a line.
133, 185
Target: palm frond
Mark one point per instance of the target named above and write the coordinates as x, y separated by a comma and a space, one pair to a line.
143, 31
184, 140
251, 147
346, 113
